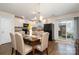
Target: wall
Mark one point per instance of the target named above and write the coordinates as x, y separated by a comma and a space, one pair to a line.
19, 22
6, 26
77, 27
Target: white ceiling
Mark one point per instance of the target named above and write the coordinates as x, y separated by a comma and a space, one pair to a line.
46, 9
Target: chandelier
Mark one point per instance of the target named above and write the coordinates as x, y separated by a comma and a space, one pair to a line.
37, 15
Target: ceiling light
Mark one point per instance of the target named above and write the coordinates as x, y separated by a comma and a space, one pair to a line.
41, 17
22, 17
34, 12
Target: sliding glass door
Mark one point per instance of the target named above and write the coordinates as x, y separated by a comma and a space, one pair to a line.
62, 31
66, 30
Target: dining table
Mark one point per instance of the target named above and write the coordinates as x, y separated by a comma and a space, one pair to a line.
33, 40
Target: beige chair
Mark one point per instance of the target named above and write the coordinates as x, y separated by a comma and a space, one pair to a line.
13, 41
22, 32
44, 43
21, 47
38, 34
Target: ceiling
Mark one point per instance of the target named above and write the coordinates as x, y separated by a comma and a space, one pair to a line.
46, 9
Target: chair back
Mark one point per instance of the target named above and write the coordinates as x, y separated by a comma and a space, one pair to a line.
13, 40
22, 32
19, 42
44, 40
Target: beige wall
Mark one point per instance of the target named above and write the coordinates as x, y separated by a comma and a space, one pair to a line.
19, 22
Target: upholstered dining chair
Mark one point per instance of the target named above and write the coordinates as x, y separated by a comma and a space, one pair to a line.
39, 34
13, 41
22, 32
44, 43
21, 47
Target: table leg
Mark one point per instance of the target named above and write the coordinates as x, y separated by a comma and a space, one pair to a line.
33, 48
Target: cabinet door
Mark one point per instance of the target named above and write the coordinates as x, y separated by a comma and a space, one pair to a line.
6, 26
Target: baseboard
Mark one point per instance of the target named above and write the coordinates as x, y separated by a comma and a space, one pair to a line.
5, 43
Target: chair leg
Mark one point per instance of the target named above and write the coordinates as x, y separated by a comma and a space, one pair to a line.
47, 51
12, 51
15, 52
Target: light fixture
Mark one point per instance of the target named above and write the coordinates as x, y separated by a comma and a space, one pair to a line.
22, 17
33, 12
37, 16
41, 18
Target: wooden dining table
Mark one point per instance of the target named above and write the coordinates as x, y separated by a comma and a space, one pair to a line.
32, 40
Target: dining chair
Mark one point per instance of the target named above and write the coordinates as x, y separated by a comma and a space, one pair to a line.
38, 34
13, 42
21, 47
22, 32
44, 43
